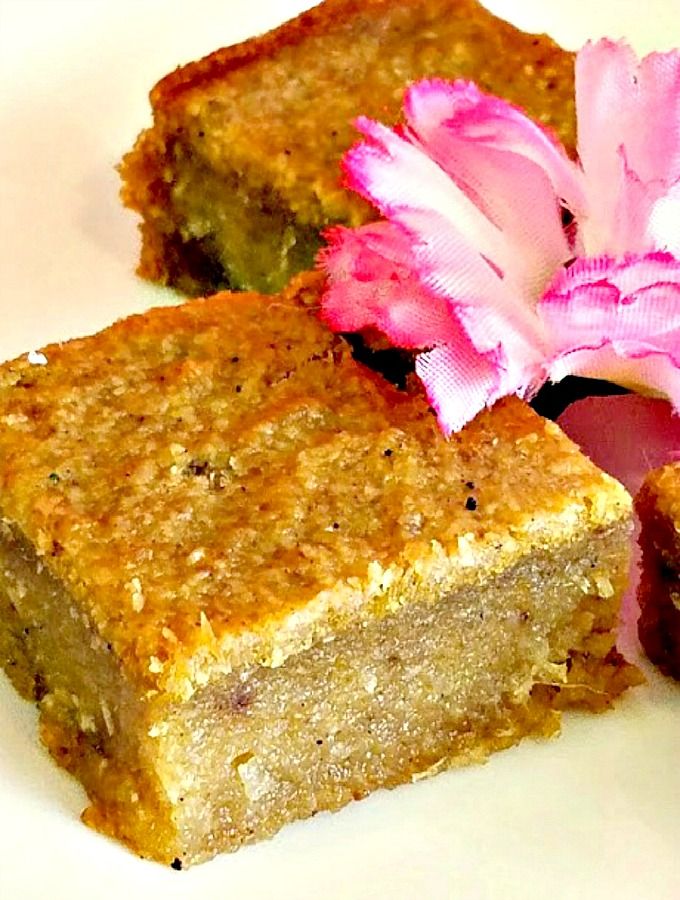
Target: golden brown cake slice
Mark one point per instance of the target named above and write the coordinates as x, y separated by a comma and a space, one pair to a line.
658, 506
247, 580
240, 169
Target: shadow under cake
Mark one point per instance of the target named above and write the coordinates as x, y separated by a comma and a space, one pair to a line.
240, 171
658, 506
246, 579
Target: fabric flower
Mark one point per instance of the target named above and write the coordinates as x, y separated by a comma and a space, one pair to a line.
468, 265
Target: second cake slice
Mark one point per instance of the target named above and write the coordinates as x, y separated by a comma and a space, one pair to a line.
240, 170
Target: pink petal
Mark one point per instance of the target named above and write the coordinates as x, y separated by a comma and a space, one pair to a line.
631, 96
370, 283
492, 313
626, 222
651, 372
400, 179
449, 116
509, 190
513, 349
635, 158
517, 197
641, 217
625, 435
460, 381
618, 320
663, 228
457, 251
634, 298
605, 80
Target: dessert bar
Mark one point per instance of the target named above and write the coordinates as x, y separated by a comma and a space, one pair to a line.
246, 579
240, 171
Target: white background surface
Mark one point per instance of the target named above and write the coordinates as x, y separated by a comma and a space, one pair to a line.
594, 814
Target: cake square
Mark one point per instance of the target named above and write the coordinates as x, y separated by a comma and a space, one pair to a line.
246, 579
658, 506
240, 170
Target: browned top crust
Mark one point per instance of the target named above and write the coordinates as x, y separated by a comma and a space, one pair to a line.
279, 108
219, 483
338, 18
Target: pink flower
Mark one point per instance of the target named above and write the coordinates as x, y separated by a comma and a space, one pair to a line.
469, 264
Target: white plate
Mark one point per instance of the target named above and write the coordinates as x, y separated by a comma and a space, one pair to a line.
594, 814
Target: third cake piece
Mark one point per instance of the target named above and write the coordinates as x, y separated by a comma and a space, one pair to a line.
658, 506
240, 170
247, 580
